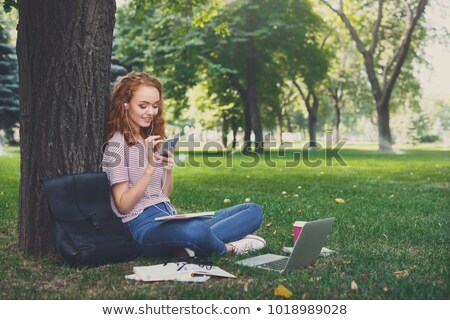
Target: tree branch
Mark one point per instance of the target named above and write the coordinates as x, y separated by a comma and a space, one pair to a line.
376, 27
359, 44
408, 10
394, 58
367, 55
305, 98
325, 40
403, 49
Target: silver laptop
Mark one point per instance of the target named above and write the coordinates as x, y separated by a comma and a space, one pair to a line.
306, 250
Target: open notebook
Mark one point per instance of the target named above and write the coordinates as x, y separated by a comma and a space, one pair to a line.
206, 214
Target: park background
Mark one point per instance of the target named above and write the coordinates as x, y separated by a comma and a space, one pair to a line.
392, 229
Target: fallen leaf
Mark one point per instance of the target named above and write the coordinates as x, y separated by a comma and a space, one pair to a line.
282, 291
226, 200
283, 192
295, 195
299, 187
306, 296
385, 289
401, 274
391, 196
299, 210
347, 261
339, 200
353, 285
245, 287
248, 199
268, 225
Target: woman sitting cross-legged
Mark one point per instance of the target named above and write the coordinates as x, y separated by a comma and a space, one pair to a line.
141, 181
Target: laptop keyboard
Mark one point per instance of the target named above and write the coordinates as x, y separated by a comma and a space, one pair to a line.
276, 265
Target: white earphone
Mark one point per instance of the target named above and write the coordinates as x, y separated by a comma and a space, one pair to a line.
126, 106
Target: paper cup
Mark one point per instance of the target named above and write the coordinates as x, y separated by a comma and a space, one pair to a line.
298, 225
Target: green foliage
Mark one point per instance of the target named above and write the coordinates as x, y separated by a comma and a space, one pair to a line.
363, 15
117, 70
188, 42
210, 41
9, 87
161, 38
8, 5
286, 47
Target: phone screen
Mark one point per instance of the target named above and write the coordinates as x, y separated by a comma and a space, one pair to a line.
169, 144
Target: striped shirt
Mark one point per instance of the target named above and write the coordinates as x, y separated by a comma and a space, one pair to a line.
123, 163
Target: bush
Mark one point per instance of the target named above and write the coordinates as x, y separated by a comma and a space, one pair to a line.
429, 138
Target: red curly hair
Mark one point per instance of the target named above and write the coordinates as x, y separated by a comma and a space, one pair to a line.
122, 93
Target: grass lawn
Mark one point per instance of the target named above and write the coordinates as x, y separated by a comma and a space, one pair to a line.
391, 234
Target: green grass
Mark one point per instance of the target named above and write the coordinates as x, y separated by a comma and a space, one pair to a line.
395, 218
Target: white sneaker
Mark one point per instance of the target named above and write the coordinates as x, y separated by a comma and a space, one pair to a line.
183, 252
190, 252
247, 244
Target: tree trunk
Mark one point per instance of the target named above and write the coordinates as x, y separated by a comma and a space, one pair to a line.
288, 122
384, 131
312, 118
247, 121
382, 93
224, 131
234, 129
247, 128
312, 109
252, 104
280, 122
337, 123
64, 54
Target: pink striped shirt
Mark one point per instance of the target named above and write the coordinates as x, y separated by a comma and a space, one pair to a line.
123, 163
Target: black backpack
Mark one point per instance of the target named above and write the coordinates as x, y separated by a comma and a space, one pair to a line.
87, 230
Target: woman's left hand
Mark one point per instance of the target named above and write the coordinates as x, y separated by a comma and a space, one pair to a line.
166, 161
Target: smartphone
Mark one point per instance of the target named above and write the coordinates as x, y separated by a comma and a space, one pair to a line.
169, 144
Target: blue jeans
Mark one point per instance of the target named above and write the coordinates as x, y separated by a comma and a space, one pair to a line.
204, 236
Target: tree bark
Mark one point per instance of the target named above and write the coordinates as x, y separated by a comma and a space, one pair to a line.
337, 97
312, 119
64, 54
384, 131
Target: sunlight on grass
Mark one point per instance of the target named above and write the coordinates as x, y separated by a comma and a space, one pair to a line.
391, 231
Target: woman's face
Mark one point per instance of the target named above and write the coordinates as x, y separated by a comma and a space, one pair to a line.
143, 107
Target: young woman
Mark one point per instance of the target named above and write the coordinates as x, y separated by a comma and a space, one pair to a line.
141, 181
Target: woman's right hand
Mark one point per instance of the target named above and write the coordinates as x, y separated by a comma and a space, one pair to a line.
150, 144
